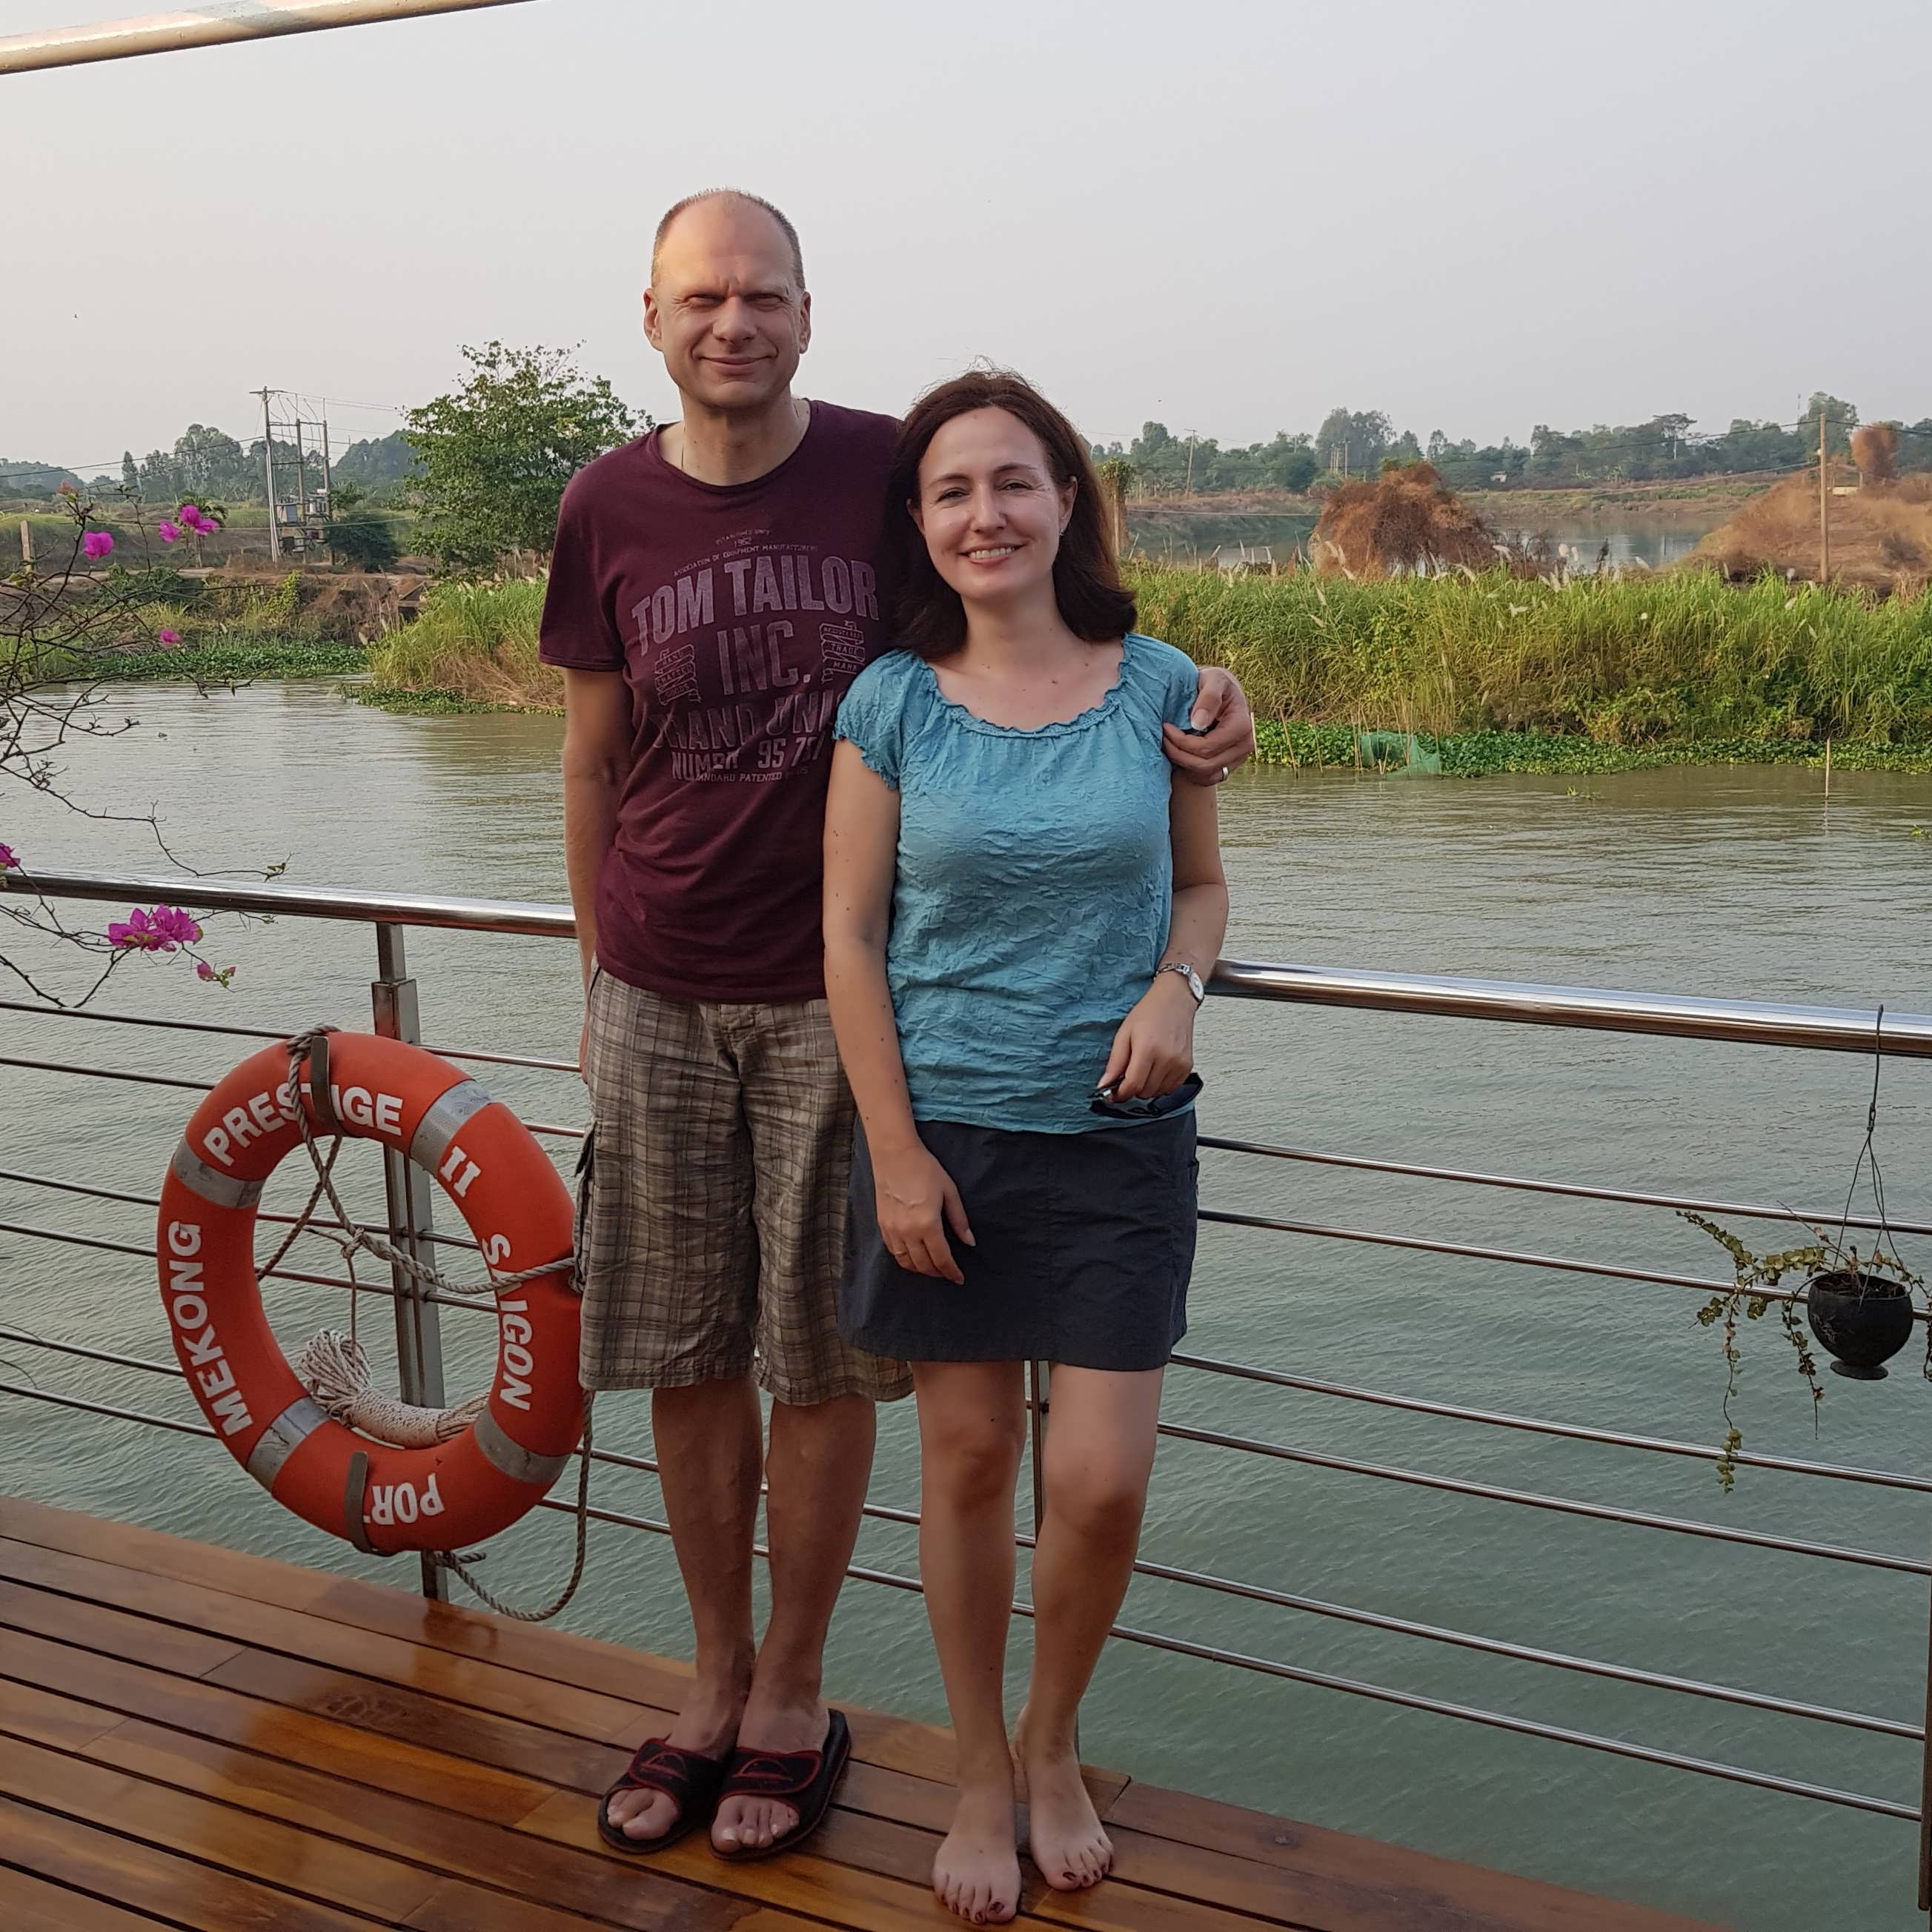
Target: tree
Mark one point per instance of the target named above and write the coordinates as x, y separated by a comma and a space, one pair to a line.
358, 533
495, 454
1841, 419
211, 463
1359, 439
131, 474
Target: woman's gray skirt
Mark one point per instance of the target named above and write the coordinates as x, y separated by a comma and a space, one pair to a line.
1084, 1245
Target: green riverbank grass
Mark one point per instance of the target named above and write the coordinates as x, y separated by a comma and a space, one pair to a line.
1485, 754
1497, 674
474, 648
1629, 664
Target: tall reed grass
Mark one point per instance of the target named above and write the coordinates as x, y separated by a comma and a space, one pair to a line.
473, 642
1625, 661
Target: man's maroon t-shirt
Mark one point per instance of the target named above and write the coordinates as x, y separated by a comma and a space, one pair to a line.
739, 613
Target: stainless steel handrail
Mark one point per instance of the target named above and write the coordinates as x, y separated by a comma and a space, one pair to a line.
1757, 1023
1826, 1029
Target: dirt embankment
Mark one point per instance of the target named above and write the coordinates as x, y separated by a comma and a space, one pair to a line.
1881, 532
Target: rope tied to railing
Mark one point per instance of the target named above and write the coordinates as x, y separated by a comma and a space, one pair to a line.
334, 1367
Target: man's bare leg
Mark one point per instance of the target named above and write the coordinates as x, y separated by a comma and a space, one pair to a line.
708, 1445
820, 1461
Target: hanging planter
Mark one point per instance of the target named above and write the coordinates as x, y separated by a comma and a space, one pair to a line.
1861, 1319
1861, 1309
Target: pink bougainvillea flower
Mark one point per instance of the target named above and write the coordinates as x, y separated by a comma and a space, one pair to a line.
67, 490
161, 930
169, 533
221, 977
97, 544
10, 859
170, 637
206, 523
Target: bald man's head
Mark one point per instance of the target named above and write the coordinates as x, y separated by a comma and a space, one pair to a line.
737, 198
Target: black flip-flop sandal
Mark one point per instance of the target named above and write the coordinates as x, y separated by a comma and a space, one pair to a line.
691, 1783
804, 1779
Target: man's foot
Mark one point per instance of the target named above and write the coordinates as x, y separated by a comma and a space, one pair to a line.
976, 1872
706, 1725
747, 1824
1064, 1833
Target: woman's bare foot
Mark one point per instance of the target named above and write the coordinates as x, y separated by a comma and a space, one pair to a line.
976, 1872
1064, 1833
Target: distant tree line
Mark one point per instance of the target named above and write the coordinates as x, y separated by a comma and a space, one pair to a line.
1352, 443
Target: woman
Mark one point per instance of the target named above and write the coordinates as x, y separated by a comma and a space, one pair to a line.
1021, 903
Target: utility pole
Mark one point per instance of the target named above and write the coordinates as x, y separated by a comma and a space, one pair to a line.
328, 489
301, 484
1824, 507
268, 460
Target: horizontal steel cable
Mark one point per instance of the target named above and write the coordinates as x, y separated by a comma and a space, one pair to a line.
1269, 1666
1429, 1633
1563, 1505
1380, 1693
60, 1237
1576, 1190
1573, 1431
1453, 1485
206, 1086
1562, 1263
153, 1201
263, 1033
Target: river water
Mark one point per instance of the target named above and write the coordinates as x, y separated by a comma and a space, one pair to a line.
1744, 883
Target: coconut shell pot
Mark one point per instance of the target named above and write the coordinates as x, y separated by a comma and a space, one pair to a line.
1861, 1320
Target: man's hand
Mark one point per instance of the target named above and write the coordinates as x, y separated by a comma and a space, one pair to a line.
1227, 728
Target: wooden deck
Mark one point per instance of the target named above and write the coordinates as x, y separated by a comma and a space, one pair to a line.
195, 1738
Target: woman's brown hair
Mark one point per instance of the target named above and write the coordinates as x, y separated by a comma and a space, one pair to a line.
922, 610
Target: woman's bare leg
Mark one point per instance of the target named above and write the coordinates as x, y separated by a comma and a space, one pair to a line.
1099, 1452
972, 1425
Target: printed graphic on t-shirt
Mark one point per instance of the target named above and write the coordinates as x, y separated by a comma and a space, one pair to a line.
748, 652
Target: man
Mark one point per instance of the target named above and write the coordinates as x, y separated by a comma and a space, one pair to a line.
714, 592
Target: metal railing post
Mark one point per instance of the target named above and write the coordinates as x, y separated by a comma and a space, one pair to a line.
1925, 1795
407, 1191
1039, 1394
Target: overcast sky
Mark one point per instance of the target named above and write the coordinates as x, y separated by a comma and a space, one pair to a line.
1476, 214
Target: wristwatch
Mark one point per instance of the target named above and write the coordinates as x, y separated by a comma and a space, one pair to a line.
1188, 973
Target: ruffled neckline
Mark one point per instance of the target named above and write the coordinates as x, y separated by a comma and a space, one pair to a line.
1108, 702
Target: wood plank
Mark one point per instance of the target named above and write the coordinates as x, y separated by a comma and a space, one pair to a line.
186, 1652
547, 1757
874, 1872
895, 1744
406, 1690
66, 1852
1419, 1882
595, 1889
561, 1656
212, 1711
31, 1904
43, 1713
221, 1717
268, 1626
257, 1849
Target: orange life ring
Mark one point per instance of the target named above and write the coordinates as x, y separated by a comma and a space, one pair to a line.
380, 1497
